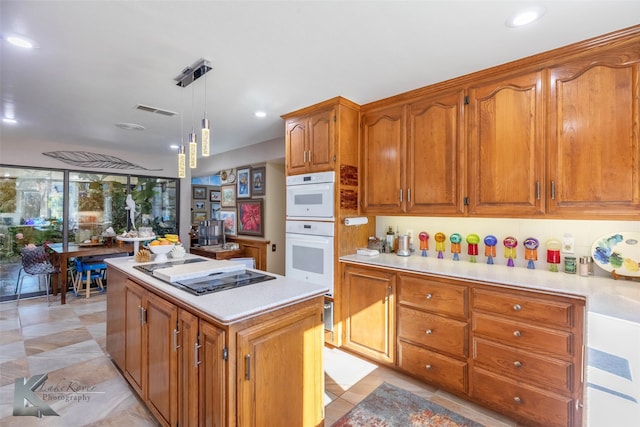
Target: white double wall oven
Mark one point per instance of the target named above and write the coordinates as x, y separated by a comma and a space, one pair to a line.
310, 228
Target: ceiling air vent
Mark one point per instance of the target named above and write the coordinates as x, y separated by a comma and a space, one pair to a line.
155, 110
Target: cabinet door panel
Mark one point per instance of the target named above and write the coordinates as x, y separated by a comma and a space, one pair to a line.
434, 158
135, 359
296, 137
212, 376
506, 146
187, 369
162, 318
383, 160
321, 137
594, 158
369, 313
279, 371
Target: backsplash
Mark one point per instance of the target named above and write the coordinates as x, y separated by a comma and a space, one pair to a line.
584, 232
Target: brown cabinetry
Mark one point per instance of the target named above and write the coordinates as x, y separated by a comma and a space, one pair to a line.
527, 349
412, 156
433, 332
594, 152
313, 135
369, 312
505, 173
150, 356
191, 370
512, 350
280, 378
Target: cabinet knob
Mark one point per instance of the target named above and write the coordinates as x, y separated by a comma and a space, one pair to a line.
427, 367
429, 296
517, 400
428, 331
517, 364
517, 307
516, 333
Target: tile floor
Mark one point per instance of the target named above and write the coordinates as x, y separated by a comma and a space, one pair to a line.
68, 343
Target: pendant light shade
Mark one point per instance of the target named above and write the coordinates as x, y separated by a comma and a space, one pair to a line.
206, 151
182, 163
193, 150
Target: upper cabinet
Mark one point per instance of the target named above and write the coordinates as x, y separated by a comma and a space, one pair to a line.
412, 156
506, 147
314, 135
593, 150
383, 160
554, 135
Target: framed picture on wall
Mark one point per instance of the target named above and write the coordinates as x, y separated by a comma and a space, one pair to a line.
257, 181
244, 188
214, 196
215, 211
228, 196
199, 192
197, 216
199, 206
251, 217
229, 219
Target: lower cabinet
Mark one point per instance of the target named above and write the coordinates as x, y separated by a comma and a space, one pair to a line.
518, 352
191, 371
280, 378
369, 310
150, 356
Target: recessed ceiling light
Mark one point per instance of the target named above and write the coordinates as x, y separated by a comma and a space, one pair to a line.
20, 41
9, 120
525, 17
260, 114
129, 126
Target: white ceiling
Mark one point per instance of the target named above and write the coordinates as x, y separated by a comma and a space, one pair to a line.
96, 60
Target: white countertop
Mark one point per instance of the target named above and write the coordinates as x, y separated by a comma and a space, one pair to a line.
234, 304
615, 298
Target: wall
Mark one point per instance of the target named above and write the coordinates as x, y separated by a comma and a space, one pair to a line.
584, 233
275, 201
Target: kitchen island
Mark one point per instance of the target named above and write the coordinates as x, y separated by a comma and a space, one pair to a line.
233, 358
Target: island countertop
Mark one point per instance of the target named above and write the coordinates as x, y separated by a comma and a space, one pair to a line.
615, 298
231, 305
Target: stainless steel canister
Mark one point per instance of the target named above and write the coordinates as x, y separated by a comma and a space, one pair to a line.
403, 245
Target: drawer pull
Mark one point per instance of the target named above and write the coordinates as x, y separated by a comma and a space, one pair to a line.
428, 367
517, 307
516, 333
517, 364
428, 331
517, 400
429, 296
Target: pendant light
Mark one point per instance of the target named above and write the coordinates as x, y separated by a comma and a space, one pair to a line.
185, 78
205, 125
182, 161
193, 142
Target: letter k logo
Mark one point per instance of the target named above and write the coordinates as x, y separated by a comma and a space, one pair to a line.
24, 392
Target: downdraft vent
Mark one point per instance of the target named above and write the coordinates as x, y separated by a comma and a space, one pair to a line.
155, 110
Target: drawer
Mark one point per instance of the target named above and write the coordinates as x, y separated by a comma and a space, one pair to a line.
524, 336
523, 365
529, 405
436, 369
436, 332
428, 294
519, 307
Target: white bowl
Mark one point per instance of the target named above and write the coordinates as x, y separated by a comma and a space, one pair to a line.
160, 251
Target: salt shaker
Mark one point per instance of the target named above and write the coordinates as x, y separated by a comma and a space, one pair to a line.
585, 266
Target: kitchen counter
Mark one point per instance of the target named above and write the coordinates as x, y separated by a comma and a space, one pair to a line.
615, 298
231, 305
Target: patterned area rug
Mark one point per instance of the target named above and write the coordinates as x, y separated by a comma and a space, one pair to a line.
390, 406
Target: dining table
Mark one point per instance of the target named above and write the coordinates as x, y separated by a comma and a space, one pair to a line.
61, 253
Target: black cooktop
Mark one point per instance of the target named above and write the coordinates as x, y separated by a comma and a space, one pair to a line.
208, 284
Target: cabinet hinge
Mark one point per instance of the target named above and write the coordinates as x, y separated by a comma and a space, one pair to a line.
334, 118
466, 201
334, 159
225, 354
466, 100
